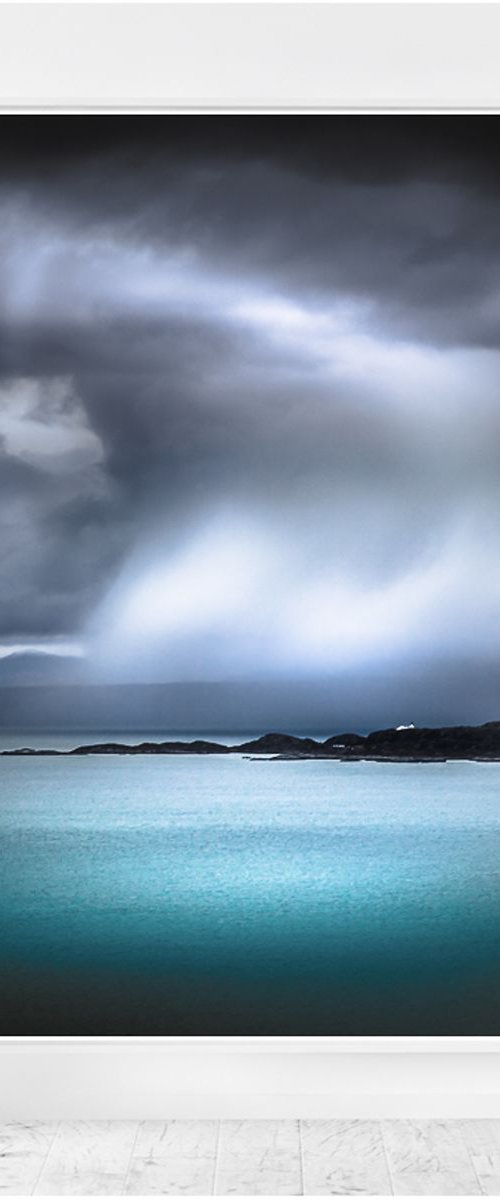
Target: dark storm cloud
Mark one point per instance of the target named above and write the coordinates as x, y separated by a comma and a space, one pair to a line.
364, 149
265, 352
404, 208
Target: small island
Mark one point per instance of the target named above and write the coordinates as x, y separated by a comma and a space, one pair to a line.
405, 744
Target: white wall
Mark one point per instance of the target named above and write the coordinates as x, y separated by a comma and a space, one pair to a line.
248, 1077
263, 54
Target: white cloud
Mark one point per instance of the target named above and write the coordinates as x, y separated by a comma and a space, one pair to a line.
54, 646
43, 422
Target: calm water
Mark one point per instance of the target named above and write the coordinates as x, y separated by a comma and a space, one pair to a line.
223, 896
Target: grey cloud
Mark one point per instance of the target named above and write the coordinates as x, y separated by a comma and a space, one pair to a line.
295, 331
386, 218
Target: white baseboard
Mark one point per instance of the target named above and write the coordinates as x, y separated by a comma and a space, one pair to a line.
162, 1078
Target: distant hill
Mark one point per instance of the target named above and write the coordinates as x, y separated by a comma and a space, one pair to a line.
39, 669
39, 691
407, 744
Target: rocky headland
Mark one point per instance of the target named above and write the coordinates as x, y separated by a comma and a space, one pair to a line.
403, 744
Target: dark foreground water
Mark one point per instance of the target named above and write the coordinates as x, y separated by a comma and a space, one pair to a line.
223, 896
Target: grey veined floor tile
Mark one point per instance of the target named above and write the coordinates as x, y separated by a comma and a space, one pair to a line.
429, 1158
173, 1158
23, 1151
250, 1157
340, 1157
178, 1139
259, 1158
88, 1158
482, 1139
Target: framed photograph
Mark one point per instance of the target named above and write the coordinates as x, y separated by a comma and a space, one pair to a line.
249, 667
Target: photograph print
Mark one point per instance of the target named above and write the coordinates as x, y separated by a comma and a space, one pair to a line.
250, 575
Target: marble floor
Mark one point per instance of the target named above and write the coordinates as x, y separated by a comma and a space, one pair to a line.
238, 1158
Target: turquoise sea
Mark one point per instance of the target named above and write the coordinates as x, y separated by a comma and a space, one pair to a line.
225, 896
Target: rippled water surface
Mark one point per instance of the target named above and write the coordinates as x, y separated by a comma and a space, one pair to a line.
224, 896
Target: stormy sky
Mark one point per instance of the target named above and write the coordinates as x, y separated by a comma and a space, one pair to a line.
250, 409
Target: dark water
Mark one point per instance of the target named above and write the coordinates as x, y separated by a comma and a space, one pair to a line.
222, 896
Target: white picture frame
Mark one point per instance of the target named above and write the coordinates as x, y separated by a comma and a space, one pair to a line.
289, 58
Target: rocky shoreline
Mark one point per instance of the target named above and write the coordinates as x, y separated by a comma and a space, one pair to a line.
406, 744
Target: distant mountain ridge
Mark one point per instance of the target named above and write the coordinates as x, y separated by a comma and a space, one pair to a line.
406, 744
